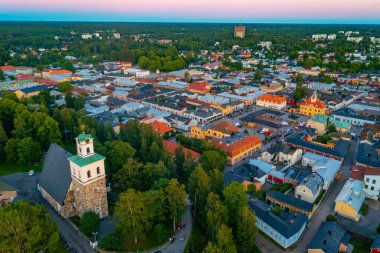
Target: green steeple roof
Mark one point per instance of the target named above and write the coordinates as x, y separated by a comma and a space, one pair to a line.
83, 161
82, 137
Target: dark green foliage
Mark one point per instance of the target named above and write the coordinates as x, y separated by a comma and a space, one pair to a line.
330, 217
89, 223
27, 228
113, 241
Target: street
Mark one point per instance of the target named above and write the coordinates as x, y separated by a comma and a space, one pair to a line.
27, 187
324, 209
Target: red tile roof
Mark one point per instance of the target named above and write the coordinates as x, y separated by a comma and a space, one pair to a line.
160, 127
272, 99
359, 171
171, 147
8, 68
225, 127
316, 104
200, 86
238, 146
59, 72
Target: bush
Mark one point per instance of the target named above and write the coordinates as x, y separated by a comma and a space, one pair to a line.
251, 188
364, 209
260, 195
276, 210
330, 218
112, 241
160, 232
89, 223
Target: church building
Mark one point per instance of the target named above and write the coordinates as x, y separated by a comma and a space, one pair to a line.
75, 184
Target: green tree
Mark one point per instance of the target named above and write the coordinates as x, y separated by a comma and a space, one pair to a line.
65, 86
176, 196
224, 242
216, 213
199, 187
130, 175
3, 142
160, 232
246, 231
217, 181
113, 241
132, 215
179, 159
27, 228
234, 199
49, 132
28, 151
11, 150
118, 153
89, 223
212, 160
2, 76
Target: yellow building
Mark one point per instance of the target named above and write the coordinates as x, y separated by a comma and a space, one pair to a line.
350, 199
7, 193
219, 130
312, 106
29, 92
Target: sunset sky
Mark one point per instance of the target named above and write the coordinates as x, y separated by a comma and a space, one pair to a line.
245, 11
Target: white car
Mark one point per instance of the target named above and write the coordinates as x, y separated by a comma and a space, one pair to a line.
31, 173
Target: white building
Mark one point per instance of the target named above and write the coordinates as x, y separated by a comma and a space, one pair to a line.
319, 37
265, 44
331, 36
372, 183
86, 36
310, 188
355, 39
116, 35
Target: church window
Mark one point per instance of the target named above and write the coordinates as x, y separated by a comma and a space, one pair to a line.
88, 174
88, 151
98, 170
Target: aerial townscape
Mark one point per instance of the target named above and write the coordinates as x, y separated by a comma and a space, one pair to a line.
194, 137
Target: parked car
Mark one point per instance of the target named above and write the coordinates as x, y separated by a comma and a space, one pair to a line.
31, 173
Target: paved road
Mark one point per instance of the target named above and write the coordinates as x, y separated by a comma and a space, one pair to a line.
324, 209
27, 187
178, 246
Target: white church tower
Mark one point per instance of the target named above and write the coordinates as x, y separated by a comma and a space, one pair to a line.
88, 178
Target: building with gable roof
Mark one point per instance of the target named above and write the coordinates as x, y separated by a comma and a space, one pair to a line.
330, 238
321, 123
310, 188
75, 184
350, 199
312, 106
238, 147
271, 101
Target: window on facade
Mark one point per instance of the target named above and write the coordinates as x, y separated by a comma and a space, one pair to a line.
88, 151
367, 179
98, 170
366, 186
88, 174
372, 188
373, 181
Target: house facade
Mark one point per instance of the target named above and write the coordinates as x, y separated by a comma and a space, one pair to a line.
271, 101
350, 199
312, 106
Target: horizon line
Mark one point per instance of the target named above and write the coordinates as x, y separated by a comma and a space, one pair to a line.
319, 22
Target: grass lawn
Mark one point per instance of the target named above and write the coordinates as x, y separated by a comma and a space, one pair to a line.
6, 168
197, 241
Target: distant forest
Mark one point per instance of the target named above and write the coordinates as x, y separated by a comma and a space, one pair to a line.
187, 38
